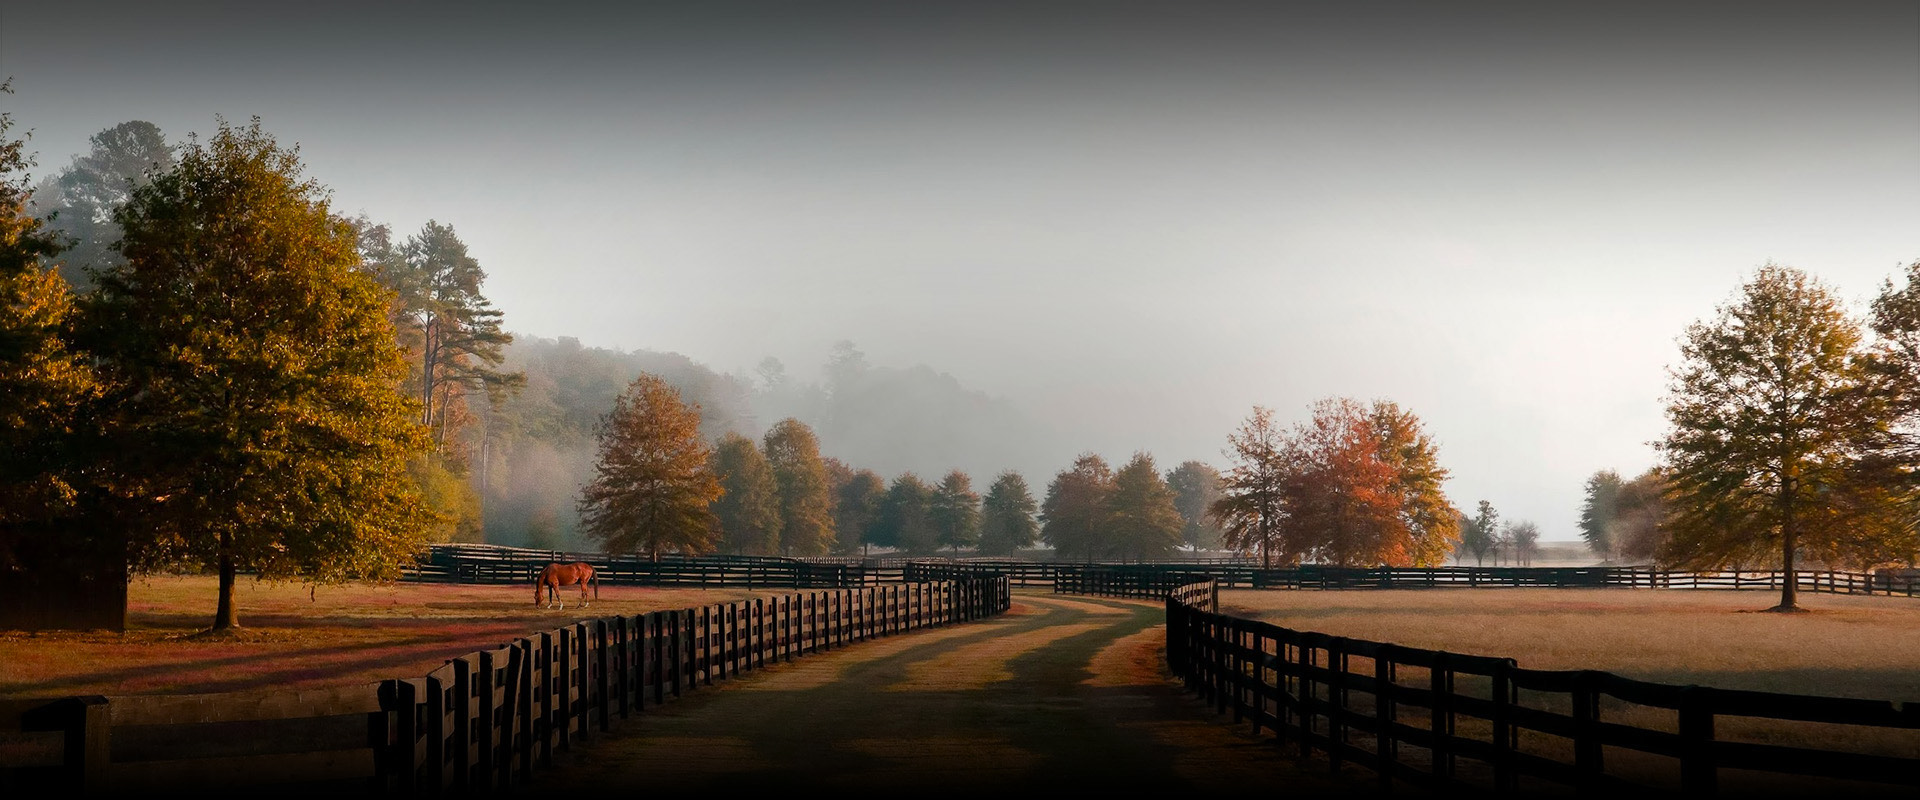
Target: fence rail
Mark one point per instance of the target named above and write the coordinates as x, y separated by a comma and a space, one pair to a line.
484, 720
1452, 721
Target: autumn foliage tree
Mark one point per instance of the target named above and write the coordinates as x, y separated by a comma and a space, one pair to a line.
1362, 487
1774, 425
806, 506
653, 485
44, 385
1006, 516
1075, 510
253, 376
1252, 500
748, 510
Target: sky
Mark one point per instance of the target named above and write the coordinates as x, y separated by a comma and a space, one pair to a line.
1133, 221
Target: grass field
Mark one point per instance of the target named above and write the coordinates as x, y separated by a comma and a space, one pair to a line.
1849, 647
341, 634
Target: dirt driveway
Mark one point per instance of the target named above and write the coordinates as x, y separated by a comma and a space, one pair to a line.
1061, 693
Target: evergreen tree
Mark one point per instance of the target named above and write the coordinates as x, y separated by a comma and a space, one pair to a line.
653, 487
254, 376
748, 511
1007, 516
1481, 534
82, 199
955, 514
902, 522
1598, 511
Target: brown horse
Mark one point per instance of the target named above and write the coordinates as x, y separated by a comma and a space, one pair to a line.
558, 575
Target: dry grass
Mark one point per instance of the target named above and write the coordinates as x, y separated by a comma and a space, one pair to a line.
336, 635
1849, 647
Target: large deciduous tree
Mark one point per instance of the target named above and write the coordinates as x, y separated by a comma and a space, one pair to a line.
253, 375
1773, 418
653, 486
1074, 515
1252, 500
748, 511
806, 505
955, 514
1141, 520
1006, 516
1362, 487
43, 383
1196, 486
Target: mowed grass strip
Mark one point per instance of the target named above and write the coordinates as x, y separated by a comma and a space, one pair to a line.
300, 636
1850, 646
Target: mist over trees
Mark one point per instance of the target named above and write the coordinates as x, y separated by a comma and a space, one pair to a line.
1196, 487
80, 200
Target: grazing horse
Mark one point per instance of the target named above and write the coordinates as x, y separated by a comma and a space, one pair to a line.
558, 575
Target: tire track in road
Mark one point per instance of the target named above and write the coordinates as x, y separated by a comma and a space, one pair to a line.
1057, 694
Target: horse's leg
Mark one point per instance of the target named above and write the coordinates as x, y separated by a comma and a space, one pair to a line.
583, 593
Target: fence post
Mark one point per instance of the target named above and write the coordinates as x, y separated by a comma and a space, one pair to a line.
1386, 745
1699, 774
1505, 737
1440, 681
601, 666
87, 725
1586, 727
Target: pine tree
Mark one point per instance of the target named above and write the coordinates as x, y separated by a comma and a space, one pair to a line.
902, 522
955, 514
1598, 511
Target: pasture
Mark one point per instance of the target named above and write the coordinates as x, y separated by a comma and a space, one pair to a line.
1851, 646
295, 635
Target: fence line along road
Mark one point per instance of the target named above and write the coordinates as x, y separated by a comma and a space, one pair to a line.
1451, 721
484, 720
475, 563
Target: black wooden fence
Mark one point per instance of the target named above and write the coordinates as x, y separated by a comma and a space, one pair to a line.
484, 720
1451, 721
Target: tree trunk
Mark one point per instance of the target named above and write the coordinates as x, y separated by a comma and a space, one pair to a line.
1789, 586
226, 616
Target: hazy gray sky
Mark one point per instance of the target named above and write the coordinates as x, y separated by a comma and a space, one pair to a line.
1135, 221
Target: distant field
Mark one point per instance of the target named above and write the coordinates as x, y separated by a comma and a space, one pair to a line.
344, 634
1850, 647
